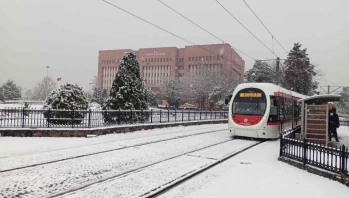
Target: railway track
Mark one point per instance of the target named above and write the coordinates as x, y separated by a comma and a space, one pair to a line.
171, 184
104, 142
109, 150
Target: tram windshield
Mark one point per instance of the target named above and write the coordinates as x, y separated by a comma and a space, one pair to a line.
250, 101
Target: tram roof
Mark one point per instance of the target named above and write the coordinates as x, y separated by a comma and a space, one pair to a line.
320, 99
270, 89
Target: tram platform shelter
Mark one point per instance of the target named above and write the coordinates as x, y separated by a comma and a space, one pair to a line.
315, 117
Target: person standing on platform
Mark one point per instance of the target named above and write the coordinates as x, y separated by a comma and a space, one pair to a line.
333, 124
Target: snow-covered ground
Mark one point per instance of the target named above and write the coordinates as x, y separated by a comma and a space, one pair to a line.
253, 173
101, 144
343, 136
257, 173
40, 181
132, 185
17, 146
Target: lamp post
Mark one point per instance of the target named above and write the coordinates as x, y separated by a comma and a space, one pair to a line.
47, 67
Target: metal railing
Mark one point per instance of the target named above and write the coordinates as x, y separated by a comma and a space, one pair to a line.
334, 159
41, 118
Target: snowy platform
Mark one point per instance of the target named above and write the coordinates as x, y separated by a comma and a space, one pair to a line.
258, 173
343, 137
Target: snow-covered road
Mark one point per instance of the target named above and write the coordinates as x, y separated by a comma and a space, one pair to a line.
45, 180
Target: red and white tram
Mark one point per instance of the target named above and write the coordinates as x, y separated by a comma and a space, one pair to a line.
257, 110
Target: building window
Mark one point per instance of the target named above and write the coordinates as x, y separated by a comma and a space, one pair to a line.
196, 58
189, 58
157, 60
214, 57
170, 59
222, 57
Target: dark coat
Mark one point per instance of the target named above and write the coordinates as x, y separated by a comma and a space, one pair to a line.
333, 123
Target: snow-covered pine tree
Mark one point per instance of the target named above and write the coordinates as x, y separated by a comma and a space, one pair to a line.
11, 91
299, 72
127, 93
67, 97
2, 98
261, 72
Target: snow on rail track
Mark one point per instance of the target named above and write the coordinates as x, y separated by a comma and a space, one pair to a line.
31, 160
24, 146
50, 179
154, 179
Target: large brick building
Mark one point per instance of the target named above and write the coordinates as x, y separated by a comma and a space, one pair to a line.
160, 65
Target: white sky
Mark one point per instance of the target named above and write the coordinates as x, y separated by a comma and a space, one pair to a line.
67, 34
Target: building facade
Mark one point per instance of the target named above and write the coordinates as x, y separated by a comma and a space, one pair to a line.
160, 65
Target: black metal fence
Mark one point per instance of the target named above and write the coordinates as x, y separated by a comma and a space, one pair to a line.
334, 159
35, 118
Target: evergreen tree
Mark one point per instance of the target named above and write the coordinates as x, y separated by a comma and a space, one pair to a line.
299, 72
11, 91
261, 72
127, 92
2, 98
67, 97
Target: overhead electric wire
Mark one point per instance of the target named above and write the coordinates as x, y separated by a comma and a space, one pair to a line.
203, 28
245, 27
164, 30
265, 26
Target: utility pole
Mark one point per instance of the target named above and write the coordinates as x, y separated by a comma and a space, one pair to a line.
328, 89
46, 80
277, 71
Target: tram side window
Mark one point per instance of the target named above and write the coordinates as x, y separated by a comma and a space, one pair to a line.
288, 109
273, 106
281, 108
273, 115
297, 110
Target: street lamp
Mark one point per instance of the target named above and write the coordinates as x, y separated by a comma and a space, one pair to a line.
47, 67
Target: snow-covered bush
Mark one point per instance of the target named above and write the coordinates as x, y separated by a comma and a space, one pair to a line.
10, 91
68, 97
127, 93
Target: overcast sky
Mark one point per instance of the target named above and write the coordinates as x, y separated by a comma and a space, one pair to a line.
67, 34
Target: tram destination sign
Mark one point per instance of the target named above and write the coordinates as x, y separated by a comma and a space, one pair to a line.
250, 95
